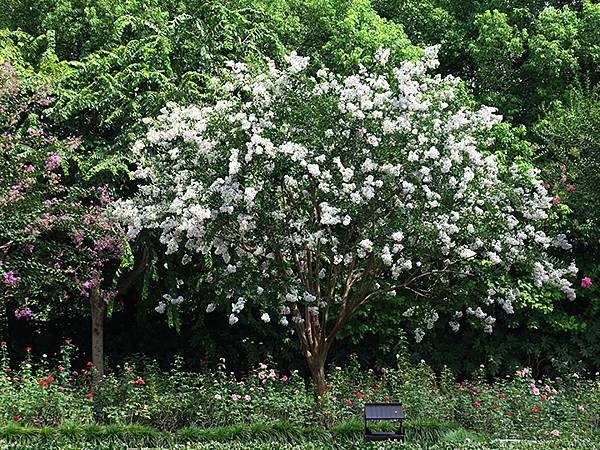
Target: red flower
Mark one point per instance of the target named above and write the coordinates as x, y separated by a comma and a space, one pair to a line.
359, 394
138, 380
16, 418
67, 341
476, 404
349, 402
27, 349
90, 395
501, 395
386, 397
90, 364
506, 413
536, 409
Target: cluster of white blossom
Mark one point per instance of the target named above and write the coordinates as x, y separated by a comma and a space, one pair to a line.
314, 194
162, 306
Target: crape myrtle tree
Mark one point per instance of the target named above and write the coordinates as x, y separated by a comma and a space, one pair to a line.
58, 249
316, 193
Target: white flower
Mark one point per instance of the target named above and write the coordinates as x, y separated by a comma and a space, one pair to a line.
177, 301
265, 318
366, 245
467, 253
210, 308
314, 170
308, 297
160, 308
296, 63
233, 319
382, 55
419, 334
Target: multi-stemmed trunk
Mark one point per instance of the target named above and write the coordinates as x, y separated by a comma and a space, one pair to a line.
316, 364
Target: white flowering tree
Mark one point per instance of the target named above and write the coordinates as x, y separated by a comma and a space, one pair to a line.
314, 195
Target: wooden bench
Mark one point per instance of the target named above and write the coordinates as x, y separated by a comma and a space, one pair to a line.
392, 412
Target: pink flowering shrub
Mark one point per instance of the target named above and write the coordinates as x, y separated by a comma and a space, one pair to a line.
55, 240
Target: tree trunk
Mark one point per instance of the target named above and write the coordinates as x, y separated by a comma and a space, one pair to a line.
316, 363
98, 308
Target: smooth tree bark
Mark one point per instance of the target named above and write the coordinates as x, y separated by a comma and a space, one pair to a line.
98, 308
98, 311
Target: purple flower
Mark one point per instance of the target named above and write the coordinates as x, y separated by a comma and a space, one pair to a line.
10, 279
53, 161
23, 314
586, 282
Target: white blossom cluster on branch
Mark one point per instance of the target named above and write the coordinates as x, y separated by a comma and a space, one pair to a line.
316, 193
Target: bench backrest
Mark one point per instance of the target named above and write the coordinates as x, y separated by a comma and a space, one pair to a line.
384, 411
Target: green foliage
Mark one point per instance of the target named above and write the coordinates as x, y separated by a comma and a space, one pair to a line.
112, 63
569, 134
52, 404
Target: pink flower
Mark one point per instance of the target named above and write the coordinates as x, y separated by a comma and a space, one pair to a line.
586, 282
235, 397
52, 161
217, 397
10, 279
556, 200
284, 378
570, 187
261, 376
23, 314
349, 402
262, 366
522, 373
581, 408
247, 398
476, 404
555, 433
61, 369
535, 391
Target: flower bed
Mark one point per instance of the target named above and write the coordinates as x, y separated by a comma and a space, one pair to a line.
52, 393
